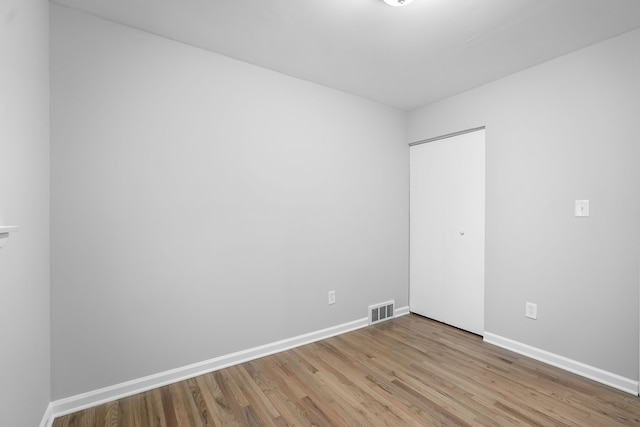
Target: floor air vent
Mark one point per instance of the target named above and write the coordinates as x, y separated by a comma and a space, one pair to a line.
380, 312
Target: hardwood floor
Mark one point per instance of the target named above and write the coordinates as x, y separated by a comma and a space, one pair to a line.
406, 371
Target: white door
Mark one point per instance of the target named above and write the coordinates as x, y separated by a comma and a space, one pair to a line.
447, 230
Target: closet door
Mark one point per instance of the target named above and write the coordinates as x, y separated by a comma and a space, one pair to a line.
447, 230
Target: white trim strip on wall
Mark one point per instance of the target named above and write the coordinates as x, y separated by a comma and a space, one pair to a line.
596, 374
47, 418
449, 135
107, 394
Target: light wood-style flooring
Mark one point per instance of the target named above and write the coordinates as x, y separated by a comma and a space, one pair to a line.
406, 371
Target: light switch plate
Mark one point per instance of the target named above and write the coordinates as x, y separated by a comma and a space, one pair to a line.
332, 297
582, 208
531, 310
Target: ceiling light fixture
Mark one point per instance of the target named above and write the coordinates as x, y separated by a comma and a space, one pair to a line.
397, 3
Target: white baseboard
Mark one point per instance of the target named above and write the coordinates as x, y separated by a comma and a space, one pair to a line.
47, 418
596, 374
107, 394
402, 311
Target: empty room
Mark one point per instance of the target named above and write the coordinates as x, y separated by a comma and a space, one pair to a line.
319, 212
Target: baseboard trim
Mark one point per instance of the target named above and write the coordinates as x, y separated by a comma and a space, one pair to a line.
107, 394
596, 374
402, 311
47, 418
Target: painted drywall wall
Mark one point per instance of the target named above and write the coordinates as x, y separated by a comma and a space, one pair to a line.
24, 201
202, 206
559, 132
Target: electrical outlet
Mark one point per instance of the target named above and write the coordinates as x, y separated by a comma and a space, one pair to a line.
582, 208
332, 297
531, 310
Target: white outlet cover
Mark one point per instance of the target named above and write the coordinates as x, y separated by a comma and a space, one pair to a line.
582, 208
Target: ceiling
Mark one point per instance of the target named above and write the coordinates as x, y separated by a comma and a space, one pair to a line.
404, 57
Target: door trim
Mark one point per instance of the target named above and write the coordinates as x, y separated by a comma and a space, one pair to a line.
449, 135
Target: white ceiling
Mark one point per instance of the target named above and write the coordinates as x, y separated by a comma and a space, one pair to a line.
401, 56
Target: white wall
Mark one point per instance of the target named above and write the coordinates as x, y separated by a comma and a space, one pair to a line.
24, 201
561, 131
202, 206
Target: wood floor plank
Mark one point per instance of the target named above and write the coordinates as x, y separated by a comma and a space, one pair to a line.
231, 396
168, 408
405, 371
198, 402
112, 414
156, 409
256, 398
187, 411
